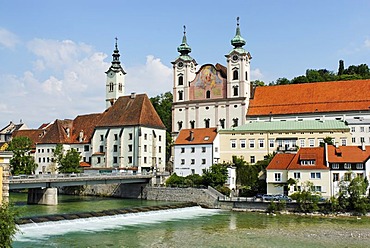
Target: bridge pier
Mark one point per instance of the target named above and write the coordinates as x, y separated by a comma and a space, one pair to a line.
45, 196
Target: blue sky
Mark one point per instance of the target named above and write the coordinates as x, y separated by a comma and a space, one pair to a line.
53, 54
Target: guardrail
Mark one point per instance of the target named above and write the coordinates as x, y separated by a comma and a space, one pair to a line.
74, 175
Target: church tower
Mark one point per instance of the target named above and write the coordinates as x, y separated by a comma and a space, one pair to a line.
115, 83
238, 68
184, 68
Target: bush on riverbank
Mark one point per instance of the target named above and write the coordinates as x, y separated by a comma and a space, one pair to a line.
8, 227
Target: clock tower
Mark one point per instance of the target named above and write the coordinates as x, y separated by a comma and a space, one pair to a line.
115, 83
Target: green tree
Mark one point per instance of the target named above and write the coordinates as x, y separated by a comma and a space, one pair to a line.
215, 176
163, 105
307, 199
328, 140
68, 162
22, 162
8, 227
258, 83
341, 67
357, 191
299, 80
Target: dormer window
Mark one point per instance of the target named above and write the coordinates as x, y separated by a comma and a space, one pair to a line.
307, 162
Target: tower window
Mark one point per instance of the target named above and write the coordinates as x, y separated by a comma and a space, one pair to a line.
180, 95
181, 80
110, 87
235, 90
179, 125
235, 75
206, 122
208, 94
246, 76
222, 123
120, 87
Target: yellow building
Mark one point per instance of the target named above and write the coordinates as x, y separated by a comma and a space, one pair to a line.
254, 140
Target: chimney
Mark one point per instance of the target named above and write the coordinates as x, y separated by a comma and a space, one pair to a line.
363, 147
133, 95
326, 154
191, 135
336, 145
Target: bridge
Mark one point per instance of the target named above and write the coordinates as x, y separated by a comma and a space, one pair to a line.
43, 188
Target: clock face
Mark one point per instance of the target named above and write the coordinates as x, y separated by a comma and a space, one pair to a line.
180, 64
235, 57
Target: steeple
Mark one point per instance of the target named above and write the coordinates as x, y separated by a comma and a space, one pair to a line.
184, 49
238, 40
116, 63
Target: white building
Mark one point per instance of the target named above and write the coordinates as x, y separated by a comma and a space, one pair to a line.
195, 150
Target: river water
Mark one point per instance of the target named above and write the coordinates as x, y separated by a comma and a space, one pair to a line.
187, 227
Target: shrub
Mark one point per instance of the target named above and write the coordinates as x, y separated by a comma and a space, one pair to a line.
8, 227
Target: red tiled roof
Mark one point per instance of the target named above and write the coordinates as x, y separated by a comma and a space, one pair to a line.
307, 153
280, 161
57, 133
35, 135
84, 164
130, 111
310, 98
199, 136
84, 124
348, 154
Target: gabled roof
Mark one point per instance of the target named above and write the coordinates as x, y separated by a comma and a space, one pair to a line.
319, 97
58, 132
35, 135
280, 161
309, 153
348, 154
196, 136
84, 125
11, 127
131, 110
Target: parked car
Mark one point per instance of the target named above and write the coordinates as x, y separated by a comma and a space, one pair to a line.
268, 197
283, 198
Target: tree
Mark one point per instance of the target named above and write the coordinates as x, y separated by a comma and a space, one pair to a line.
307, 199
22, 162
163, 105
328, 140
68, 162
8, 227
258, 83
341, 67
299, 80
215, 176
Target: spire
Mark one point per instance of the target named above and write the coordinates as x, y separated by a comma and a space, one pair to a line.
238, 40
184, 48
116, 63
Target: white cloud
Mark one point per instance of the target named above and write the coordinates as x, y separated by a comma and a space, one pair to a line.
153, 78
256, 74
8, 39
367, 43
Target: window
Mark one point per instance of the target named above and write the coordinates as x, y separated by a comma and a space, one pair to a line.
235, 91
179, 125
39, 160
130, 148
101, 137
192, 149
182, 161
130, 159
353, 129
362, 129
246, 76
335, 177
235, 122
192, 171
145, 148
180, 94
99, 160
251, 143
277, 177
145, 160
208, 94
101, 148
120, 87
86, 148
48, 150
115, 160
115, 136
302, 142
316, 188
297, 175
110, 87
206, 123
315, 175
203, 161
343, 141
192, 124
335, 166
360, 175
160, 137
362, 139
261, 143
242, 143
307, 162
359, 166
130, 136
353, 140
347, 166
311, 142
181, 80
160, 149
203, 149
233, 143
145, 136
115, 148
182, 150
42, 150
43, 160
222, 123
271, 143
347, 177
192, 161
235, 75
253, 159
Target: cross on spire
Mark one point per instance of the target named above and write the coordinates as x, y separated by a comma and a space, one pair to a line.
116, 43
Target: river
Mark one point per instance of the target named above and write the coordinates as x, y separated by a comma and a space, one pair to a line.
187, 227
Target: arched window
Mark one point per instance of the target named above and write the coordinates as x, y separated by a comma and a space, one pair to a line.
208, 94
206, 122
181, 95
246, 76
110, 87
192, 124
179, 125
235, 74
222, 123
235, 122
235, 90
120, 87
181, 80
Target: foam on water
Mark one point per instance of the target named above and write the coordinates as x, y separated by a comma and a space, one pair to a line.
40, 231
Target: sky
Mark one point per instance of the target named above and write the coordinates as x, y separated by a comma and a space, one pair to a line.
54, 54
